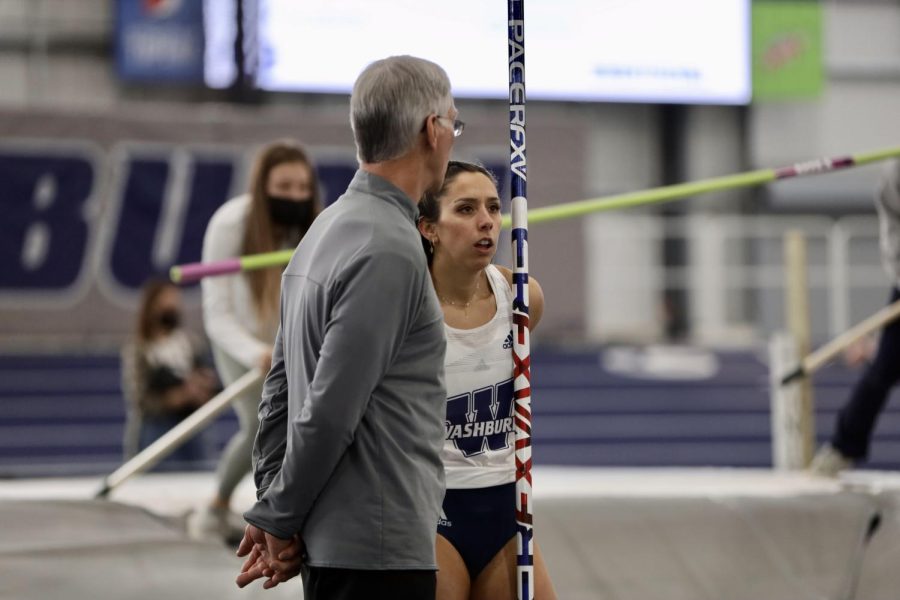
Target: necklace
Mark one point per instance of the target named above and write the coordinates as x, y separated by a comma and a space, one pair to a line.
464, 305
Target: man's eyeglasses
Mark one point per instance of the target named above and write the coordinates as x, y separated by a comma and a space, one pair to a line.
458, 126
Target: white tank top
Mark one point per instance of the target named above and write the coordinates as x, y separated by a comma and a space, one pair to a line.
479, 446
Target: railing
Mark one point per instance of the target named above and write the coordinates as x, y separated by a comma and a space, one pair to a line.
733, 277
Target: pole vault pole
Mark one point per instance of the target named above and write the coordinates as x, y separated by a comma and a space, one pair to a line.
704, 186
521, 334
820, 357
569, 210
175, 437
196, 271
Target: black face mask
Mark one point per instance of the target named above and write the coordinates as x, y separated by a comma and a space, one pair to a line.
169, 320
288, 212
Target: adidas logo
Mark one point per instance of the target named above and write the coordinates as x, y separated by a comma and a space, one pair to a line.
508, 343
444, 521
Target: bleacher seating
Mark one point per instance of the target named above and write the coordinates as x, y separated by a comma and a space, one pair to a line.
63, 414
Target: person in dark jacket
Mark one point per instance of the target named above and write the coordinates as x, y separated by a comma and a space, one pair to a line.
856, 420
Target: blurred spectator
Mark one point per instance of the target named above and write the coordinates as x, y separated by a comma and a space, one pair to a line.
241, 312
861, 352
164, 378
856, 419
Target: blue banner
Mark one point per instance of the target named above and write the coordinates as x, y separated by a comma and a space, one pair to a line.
160, 40
83, 223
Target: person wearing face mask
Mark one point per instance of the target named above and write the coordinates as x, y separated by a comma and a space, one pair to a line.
240, 312
164, 377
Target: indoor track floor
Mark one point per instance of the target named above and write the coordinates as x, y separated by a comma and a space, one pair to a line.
642, 534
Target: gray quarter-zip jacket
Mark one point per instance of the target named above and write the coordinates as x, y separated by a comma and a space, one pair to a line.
353, 409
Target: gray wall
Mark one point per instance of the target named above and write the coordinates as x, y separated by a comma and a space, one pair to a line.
54, 62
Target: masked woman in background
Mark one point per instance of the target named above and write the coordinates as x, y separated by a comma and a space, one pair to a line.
164, 377
241, 311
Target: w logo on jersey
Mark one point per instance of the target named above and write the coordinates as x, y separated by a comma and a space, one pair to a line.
508, 342
481, 420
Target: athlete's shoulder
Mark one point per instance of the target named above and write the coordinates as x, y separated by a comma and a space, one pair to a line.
504, 272
507, 274
535, 293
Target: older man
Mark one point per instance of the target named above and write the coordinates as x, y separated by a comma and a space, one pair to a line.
347, 458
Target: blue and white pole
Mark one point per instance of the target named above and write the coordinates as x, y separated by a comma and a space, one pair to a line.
521, 334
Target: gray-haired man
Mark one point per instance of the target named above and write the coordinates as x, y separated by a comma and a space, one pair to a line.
352, 416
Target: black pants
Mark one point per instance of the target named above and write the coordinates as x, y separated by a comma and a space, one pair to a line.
320, 583
856, 420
